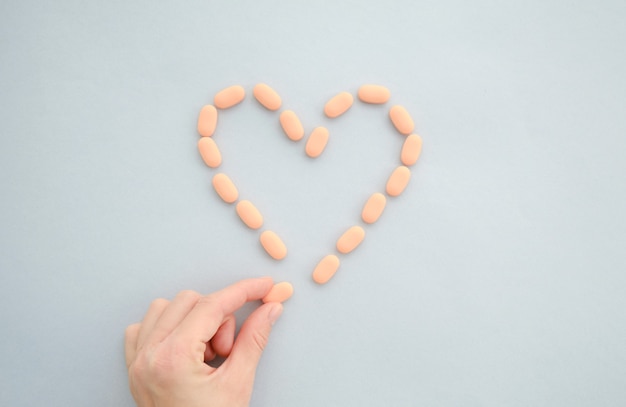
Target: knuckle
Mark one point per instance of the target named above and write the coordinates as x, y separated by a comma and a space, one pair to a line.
259, 340
159, 303
161, 365
188, 295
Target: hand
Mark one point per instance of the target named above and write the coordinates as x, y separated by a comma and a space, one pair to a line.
167, 351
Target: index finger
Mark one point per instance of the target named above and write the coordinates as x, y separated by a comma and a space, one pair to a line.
207, 315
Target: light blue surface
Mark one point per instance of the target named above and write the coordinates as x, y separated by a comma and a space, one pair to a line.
497, 279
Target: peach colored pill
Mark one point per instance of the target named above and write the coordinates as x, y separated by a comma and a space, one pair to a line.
225, 188
207, 120
374, 208
267, 96
291, 125
229, 97
317, 142
401, 119
411, 149
281, 292
326, 269
374, 94
273, 245
350, 239
209, 152
338, 105
249, 214
398, 181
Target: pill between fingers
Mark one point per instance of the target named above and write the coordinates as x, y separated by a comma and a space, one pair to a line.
338, 105
273, 245
281, 292
225, 188
401, 119
207, 120
398, 180
249, 214
326, 269
229, 97
350, 239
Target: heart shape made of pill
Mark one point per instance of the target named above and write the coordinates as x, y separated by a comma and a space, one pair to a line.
315, 145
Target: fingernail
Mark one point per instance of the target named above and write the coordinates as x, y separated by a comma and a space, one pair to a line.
275, 312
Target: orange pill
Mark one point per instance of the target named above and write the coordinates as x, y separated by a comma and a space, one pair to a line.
267, 96
326, 269
338, 105
281, 292
398, 181
207, 120
411, 149
273, 245
374, 207
229, 97
317, 142
225, 188
291, 125
209, 152
401, 119
249, 214
350, 239
374, 94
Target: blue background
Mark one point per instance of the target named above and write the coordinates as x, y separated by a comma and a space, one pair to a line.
496, 279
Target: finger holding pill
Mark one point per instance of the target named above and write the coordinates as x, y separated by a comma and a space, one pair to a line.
281, 292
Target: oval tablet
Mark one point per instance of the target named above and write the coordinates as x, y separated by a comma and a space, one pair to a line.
350, 239
291, 125
229, 97
374, 208
401, 119
225, 188
209, 152
411, 149
398, 181
317, 142
281, 292
249, 214
267, 96
374, 94
207, 120
273, 245
325, 269
338, 105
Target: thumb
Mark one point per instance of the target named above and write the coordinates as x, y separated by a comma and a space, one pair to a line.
251, 342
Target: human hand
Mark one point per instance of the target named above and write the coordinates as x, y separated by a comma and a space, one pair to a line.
167, 351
